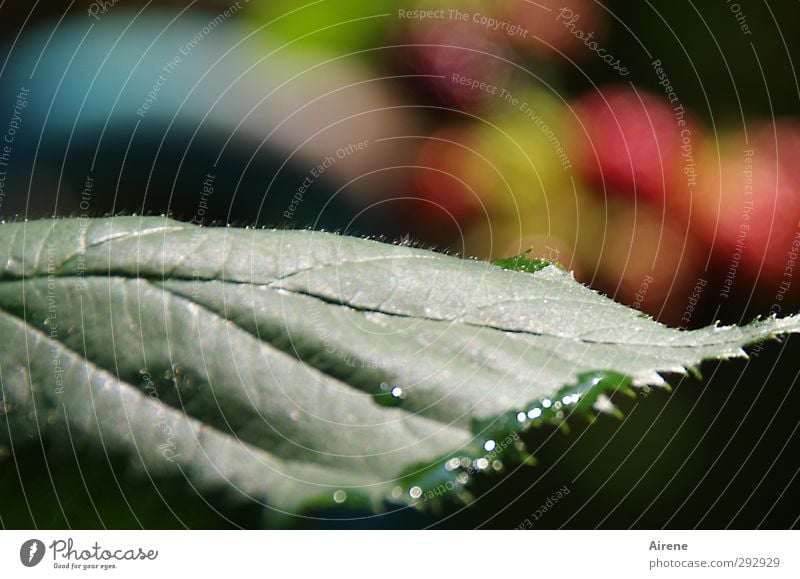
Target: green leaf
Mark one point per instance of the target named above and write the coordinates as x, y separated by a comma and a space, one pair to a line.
298, 368
524, 263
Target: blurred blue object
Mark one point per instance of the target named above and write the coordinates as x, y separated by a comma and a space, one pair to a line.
195, 115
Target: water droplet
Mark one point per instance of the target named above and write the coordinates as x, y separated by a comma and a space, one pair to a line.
604, 404
340, 496
482, 464
415, 492
489, 445
452, 464
389, 395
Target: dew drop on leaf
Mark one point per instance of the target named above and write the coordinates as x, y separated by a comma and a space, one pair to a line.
389, 395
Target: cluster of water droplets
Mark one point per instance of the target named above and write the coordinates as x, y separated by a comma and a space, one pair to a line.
498, 440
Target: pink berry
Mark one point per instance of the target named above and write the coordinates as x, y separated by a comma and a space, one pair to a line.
452, 59
630, 143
